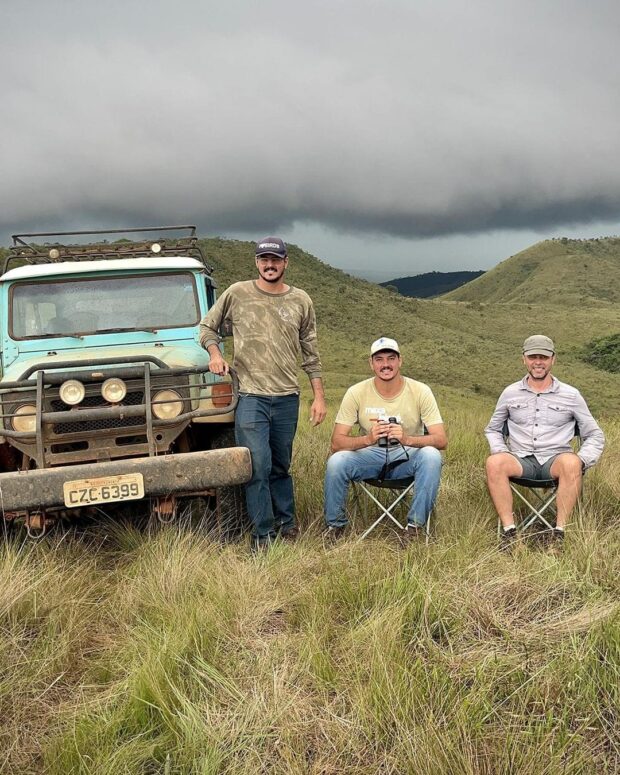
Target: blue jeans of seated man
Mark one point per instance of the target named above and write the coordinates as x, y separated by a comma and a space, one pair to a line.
267, 425
343, 467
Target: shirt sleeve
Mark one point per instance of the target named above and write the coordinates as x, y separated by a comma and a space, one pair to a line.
592, 437
348, 414
429, 411
211, 322
495, 429
309, 343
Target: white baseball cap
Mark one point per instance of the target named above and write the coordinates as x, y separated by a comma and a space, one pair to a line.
384, 344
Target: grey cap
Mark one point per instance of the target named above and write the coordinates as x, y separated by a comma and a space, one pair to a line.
271, 246
538, 345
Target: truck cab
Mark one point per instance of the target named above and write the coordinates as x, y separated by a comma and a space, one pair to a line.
105, 391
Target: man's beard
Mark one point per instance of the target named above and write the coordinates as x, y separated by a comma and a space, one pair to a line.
272, 278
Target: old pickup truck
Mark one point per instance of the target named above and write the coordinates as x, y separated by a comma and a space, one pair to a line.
105, 392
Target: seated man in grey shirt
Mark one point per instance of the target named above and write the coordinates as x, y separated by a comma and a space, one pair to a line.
541, 413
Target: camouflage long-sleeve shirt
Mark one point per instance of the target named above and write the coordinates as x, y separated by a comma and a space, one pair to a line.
269, 331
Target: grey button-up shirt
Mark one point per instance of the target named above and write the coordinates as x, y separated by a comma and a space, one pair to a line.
543, 424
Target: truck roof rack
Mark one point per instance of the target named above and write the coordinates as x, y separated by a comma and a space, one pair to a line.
51, 253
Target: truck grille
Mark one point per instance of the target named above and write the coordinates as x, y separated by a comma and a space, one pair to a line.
132, 398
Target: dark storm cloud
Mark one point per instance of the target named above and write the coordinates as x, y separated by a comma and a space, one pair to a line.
407, 119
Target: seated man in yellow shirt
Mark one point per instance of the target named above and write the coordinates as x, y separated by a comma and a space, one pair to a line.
392, 413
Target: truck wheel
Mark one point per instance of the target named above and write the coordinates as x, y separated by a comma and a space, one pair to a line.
230, 507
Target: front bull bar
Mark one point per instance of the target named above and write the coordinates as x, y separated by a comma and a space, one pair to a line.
163, 475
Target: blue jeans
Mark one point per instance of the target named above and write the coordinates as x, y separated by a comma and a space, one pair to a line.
343, 467
267, 425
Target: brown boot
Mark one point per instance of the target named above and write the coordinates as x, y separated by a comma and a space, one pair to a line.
290, 535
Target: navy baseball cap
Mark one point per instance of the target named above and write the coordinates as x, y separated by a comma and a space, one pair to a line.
271, 246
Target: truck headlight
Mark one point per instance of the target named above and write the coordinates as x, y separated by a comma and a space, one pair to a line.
24, 420
167, 404
114, 390
72, 392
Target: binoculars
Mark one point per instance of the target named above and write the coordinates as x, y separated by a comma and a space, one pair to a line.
383, 440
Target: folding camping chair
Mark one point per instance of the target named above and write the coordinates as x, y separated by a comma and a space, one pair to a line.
540, 505
397, 489
539, 497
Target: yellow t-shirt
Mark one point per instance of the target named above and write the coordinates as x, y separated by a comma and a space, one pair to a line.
414, 407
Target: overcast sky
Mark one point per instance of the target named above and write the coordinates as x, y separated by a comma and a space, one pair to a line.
388, 138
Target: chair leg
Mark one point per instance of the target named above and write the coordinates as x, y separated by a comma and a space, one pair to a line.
427, 527
536, 513
385, 512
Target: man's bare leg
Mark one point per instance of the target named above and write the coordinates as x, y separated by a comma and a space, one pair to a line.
500, 467
566, 468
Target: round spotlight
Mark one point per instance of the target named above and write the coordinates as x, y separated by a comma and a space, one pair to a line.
24, 420
170, 407
54, 253
114, 390
72, 392
156, 247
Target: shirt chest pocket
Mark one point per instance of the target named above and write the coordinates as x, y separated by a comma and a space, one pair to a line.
518, 412
559, 414
290, 316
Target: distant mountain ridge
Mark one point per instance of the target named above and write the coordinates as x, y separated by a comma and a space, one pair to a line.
555, 271
428, 284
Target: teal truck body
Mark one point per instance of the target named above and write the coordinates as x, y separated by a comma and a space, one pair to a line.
105, 391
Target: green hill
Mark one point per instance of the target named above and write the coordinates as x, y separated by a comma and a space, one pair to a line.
468, 348
557, 271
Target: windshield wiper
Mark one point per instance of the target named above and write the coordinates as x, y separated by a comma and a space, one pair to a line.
59, 334
118, 330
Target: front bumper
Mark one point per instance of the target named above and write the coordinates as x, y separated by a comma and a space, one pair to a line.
163, 475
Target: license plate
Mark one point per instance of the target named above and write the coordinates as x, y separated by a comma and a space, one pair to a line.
104, 489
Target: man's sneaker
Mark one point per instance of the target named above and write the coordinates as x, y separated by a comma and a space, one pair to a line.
289, 534
411, 534
555, 541
334, 533
508, 540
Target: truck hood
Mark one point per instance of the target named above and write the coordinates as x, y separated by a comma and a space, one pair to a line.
173, 355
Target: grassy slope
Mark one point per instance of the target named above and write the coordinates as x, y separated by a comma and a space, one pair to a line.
559, 271
166, 653
471, 348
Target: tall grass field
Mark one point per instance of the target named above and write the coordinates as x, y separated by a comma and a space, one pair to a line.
162, 650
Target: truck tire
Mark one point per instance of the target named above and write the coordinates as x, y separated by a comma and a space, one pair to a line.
230, 507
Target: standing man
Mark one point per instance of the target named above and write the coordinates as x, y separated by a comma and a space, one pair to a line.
271, 323
541, 413
370, 405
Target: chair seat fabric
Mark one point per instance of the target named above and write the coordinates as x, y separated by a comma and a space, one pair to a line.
541, 484
390, 484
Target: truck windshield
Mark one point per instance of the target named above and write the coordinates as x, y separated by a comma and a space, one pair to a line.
87, 306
